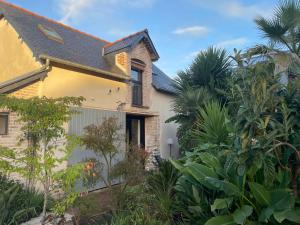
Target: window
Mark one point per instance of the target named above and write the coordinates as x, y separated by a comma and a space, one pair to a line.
137, 92
51, 33
3, 123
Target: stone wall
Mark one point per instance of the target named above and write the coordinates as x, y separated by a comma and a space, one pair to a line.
14, 125
152, 133
140, 52
14, 133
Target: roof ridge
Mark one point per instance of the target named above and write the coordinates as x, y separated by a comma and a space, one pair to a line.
53, 21
121, 39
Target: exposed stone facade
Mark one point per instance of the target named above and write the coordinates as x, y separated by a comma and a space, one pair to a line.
140, 52
152, 133
122, 61
14, 133
14, 125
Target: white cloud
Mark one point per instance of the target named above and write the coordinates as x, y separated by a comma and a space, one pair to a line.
238, 42
72, 10
236, 9
193, 30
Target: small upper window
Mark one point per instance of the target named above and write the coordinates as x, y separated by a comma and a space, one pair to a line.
3, 123
137, 87
51, 33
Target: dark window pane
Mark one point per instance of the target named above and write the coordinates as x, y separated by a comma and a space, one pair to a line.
3, 123
135, 75
136, 94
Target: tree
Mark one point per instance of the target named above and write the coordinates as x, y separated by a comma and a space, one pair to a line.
104, 140
204, 80
283, 29
209, 70
43, 121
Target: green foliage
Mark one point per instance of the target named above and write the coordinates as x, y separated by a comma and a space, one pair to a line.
136, 217
243, 169
43, 121
209, 70
160, 184
236, 201
104, 140
204, 80
212, 124
283, 27
16, 203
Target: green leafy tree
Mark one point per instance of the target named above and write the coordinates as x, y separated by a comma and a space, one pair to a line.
283, 29
204, 80
43, 121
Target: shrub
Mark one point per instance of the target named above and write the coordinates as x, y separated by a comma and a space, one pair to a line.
24, 204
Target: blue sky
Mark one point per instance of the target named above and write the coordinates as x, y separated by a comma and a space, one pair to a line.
178, 28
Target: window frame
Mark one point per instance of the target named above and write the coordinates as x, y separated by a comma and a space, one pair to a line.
5, 114
51, 33
139, 83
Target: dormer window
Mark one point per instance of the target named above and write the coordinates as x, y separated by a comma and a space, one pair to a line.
137, 87
50, 33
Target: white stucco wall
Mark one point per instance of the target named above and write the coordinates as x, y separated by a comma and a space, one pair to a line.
162, 103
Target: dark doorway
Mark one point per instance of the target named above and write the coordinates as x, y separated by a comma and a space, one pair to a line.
135, 130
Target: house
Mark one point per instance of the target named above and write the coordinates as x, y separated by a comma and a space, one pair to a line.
42, 57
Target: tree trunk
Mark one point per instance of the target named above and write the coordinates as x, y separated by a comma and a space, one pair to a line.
46, 184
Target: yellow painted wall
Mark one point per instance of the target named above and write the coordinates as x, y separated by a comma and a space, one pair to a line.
16, 58
162, 103
62, 82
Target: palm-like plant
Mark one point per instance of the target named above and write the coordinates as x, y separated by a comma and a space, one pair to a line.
203, 80
284, 28
212, 124
210, 69
187, 104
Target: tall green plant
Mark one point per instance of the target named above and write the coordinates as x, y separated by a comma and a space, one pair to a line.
283, 28
212, 124
43, 121
237, 199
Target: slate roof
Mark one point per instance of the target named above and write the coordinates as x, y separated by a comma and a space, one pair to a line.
78, 47
161, 81
130, 42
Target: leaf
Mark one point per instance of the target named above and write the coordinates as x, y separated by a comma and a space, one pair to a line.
221, 220
265, 214
240, 215
241, 169
262, 196
252, 223
291, 215
280, 216
210, 160
177, 165
282, 199
196, 194
221, 203
200, 173
228, 188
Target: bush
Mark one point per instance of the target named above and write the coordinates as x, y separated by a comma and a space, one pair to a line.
23, 200
136, 217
